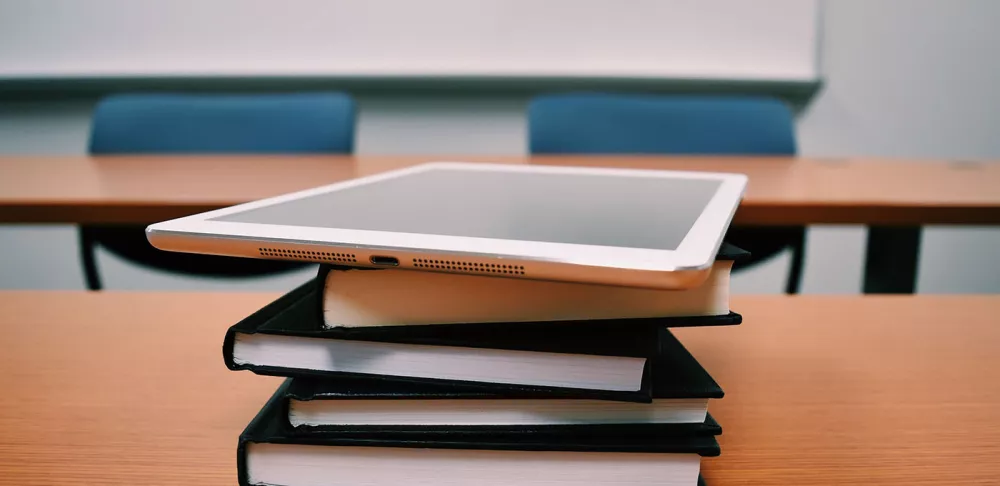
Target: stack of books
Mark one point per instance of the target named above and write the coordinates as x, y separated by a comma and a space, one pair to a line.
407, 377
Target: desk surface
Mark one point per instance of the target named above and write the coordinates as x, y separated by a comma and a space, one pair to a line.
781, 191
130, 388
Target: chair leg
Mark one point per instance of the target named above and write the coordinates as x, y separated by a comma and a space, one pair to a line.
795, 269
88, 258
891, 260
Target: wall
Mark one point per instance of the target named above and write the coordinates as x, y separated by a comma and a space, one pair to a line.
564, 38
904, 78
917, 79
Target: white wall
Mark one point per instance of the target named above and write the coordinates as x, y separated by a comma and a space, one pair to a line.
904, 78
915, 78
493, 38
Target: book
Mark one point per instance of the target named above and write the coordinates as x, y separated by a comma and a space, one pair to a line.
681, 389
601, 359
356, 297
268, 454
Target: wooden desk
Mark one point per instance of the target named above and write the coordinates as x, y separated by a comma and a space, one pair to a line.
130, 388
782, 191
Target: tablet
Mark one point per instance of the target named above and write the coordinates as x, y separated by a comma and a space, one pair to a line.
645, 228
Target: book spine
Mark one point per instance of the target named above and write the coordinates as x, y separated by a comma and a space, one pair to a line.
258, 430
242, 477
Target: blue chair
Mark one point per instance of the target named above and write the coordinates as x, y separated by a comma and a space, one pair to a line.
675, 124
302, 123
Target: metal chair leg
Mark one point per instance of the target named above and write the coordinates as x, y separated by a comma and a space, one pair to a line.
88, 258
891, 259
795, 269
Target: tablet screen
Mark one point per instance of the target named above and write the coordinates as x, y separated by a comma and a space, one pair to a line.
621, 211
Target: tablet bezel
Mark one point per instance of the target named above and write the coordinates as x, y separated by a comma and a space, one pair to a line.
695, 252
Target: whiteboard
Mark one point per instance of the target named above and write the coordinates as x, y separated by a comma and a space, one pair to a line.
678, 39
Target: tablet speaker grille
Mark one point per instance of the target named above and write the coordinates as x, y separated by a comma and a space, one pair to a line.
321, 256
468, 267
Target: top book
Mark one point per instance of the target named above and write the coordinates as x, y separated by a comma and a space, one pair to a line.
355, 298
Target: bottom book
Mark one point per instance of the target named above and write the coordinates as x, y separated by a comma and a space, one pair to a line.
270, 453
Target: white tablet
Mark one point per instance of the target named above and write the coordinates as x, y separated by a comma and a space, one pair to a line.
658, 229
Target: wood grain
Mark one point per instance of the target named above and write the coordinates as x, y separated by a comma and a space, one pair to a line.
856, 390
122, 389
126, 189
130, 388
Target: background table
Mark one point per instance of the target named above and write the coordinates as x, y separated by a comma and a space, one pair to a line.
782, 191
894, 197
130, 388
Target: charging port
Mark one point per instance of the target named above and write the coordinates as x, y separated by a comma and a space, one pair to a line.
387, 261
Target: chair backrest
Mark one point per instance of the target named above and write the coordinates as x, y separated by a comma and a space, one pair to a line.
196, 123
659, 124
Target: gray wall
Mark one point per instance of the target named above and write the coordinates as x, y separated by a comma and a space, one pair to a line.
904, 78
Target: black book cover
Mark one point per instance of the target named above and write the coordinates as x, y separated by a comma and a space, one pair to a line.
730, 252
676, 375
299, 313
269, 427
290, 389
